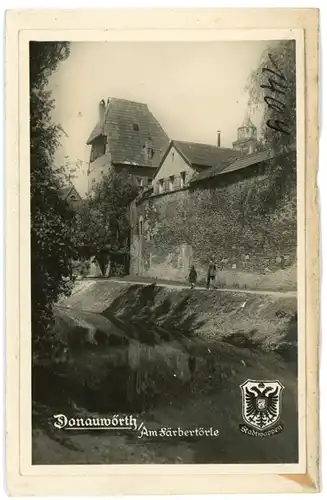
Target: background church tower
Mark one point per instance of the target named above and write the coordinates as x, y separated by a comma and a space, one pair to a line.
247, 137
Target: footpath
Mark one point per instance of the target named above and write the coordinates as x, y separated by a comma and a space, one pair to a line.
176, 285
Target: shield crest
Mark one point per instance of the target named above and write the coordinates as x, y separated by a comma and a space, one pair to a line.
261, 402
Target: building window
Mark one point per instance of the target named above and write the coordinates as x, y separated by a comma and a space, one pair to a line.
148, 148
140, 182
136, 127
171, 183
182, 179
141, 226
98, 147
149, 181
161, 185
172, 156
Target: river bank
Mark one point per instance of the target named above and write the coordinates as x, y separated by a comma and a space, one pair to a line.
172, 358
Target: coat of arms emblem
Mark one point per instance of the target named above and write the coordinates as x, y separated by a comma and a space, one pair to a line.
261, 403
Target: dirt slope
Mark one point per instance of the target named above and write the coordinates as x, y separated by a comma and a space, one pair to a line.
135, 357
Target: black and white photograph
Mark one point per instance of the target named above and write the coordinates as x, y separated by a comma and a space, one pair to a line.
163, 204
162, 252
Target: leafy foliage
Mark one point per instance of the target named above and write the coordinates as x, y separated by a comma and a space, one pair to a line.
103, 221
273, 84
52, 245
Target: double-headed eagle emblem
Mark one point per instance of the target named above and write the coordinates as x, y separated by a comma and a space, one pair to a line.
261, 402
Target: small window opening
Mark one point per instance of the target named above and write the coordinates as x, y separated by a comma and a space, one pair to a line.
171, 183
161, 185
182, 179
136, 127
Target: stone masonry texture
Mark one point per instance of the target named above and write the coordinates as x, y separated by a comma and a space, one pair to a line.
226, 219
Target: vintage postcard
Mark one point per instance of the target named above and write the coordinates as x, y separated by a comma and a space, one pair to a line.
162, 251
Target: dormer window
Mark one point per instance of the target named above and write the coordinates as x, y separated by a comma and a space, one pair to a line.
136, 127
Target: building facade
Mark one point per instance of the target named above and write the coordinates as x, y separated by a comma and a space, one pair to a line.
127, 137
184, 160
219, 214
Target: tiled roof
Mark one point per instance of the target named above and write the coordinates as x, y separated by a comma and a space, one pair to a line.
248, 160
231, 166
65, 192
96, 132
205, 155
128, 126
240, 163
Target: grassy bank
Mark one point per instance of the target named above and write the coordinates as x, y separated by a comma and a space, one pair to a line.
172, 357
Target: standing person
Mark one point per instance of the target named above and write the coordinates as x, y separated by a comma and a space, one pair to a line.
211, 272
193, 276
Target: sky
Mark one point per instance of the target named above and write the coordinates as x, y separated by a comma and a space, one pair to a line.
193, 89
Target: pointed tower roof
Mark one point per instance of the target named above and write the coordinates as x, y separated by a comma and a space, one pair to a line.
247, 122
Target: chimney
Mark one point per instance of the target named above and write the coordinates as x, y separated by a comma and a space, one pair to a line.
102, 107
218, 138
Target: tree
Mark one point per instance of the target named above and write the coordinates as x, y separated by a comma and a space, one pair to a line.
52, 246
273, 84
104, 225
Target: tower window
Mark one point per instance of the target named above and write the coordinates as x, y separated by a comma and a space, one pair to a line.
136, 127
98, 148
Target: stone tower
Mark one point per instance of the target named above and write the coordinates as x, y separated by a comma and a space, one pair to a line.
246, 137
